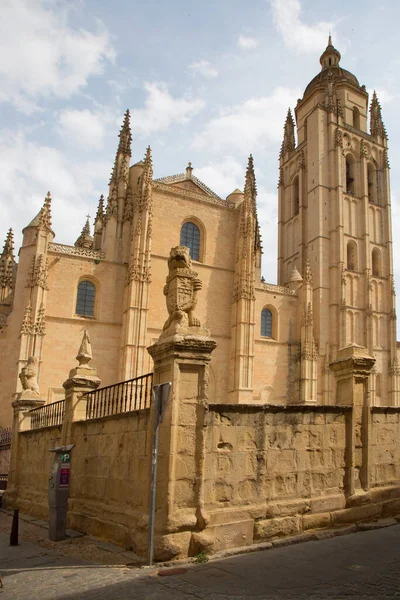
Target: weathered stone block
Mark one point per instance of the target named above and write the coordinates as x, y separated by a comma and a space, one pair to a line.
356, 513
316, 521
278, 527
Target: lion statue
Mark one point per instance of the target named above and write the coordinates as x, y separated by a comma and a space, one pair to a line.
28, 376
181, 289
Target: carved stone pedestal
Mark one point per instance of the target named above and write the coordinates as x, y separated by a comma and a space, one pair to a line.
184, 361
352, 369
23, 402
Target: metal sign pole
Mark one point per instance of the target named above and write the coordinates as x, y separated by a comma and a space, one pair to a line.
161, 395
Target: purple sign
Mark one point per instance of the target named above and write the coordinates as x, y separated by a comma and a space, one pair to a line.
64, 476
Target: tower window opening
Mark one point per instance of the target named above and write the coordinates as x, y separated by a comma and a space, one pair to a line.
356, 118
371, 175
352, 256
296, 197
349, 176
376, 263
190, 237
266, 323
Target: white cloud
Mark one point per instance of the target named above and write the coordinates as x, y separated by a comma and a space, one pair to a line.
247, 43
257, 122
87, 128
42, 55
295, 33
204, 68
224, 176
161, 110
75, 185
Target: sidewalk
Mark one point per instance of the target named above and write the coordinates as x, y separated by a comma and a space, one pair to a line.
360, 565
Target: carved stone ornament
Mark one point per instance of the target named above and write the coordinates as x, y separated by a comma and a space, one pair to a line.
386, 159
281, 178
28, 377
338, 138
38, 273
343, 278
181, 289
394, 368
307, 316
27, 326
84, 355
40, 325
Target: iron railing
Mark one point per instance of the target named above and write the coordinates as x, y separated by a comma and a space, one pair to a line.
5, 436
134, 394
48, 415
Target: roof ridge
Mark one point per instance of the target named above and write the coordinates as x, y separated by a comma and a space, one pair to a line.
182, 177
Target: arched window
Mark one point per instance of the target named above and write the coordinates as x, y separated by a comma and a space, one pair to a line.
85, 299
296, 196
356, 117
266, 323
352, 256
190, 237
371, 183
376, 263
350, 175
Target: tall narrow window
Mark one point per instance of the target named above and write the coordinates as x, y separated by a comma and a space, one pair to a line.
190, 237
356, 118
296, 197
351, 256
266, 323
85, 299
376, 263
349, 176
371, 184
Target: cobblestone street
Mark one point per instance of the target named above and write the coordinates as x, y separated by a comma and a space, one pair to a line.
360, 565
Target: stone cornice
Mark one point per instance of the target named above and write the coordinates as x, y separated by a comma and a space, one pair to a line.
175, 191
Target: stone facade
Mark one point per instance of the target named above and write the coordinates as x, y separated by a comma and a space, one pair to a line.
284, 411
335, 274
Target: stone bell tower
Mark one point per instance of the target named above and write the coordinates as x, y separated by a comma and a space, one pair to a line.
334, 212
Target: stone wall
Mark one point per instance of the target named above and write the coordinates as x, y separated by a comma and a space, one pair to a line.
109, 474
34, 462
229, 475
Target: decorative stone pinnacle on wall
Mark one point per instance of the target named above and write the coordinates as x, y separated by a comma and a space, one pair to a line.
377, 127
289, 142
307, 275
85, 240
84, 355
8, 249
44, 221
38, 274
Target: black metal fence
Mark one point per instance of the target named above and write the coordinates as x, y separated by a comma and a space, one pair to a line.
5, 436
134, 394
48, 415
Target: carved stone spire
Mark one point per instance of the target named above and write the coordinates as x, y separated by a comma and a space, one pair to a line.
44, 220
144, 200
8, 249
250, 198
289, 142
85, 240
7, 267
120, 172
100, 210
84, 355
377, 127
330, 57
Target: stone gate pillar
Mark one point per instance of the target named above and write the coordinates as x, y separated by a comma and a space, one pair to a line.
23, 403
181, 355
352, 369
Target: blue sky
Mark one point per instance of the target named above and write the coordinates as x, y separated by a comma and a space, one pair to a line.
208, 82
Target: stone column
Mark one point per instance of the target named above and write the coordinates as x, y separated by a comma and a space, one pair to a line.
23, 403
352, 369
184, 361
182, 356
82, 379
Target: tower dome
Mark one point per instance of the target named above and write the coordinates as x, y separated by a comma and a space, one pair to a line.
330, 65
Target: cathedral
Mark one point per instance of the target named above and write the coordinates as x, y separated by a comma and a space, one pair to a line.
276, 344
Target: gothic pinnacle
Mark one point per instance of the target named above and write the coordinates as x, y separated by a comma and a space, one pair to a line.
125, 137
8, 250
148, 165
45, 213
376, 123
100, 209
289, 142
